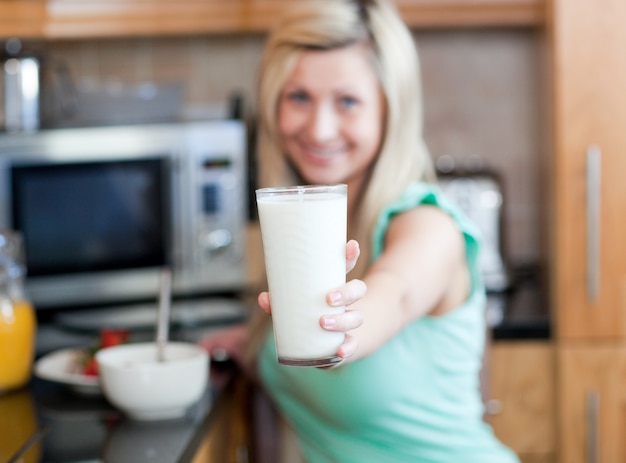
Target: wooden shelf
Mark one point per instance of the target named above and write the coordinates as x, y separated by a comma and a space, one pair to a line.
473, 13
78, 19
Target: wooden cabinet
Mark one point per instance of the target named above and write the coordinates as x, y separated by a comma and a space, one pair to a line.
521, 404
76, 19
592, 404
588, 78
589, 136
228, 436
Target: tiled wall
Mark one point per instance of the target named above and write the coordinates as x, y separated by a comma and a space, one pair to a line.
209, 69
481, 93
482, 96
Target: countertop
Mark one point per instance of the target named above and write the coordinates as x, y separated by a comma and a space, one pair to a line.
79, 428
521, 312
63, 424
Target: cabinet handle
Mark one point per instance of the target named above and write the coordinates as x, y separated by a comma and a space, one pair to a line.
593, 431
594, 180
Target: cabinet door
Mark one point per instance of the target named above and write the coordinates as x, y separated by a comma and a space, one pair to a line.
228, 435
592, 404
521, 405
589, 172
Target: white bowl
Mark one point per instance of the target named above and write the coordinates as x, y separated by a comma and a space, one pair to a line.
134, 381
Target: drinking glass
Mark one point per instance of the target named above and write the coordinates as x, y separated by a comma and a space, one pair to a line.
303, 229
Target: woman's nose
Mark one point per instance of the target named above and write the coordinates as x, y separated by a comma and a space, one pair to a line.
323, 124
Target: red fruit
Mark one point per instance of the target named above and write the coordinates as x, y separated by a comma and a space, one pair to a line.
111, 337
91, 367
108, 338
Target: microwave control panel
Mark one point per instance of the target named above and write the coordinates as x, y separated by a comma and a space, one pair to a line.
212, 229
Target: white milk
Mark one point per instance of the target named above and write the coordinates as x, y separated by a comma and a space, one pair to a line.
304, 242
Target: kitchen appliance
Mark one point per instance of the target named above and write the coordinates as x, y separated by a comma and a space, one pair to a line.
102, 210
479, 195
21, 76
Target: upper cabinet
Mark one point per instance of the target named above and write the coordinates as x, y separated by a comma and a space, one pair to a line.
589, 138
78, 19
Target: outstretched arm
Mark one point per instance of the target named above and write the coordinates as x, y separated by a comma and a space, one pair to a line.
422, 271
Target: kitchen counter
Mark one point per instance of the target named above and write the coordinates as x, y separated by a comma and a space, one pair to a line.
77, 424
79, 428
87, 429
521, 312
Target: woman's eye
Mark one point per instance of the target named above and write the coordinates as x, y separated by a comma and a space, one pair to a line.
347, 102
297, 97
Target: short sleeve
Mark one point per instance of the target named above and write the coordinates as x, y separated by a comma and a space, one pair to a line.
419, 194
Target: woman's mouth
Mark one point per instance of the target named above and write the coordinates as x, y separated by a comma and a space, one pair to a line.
321, 154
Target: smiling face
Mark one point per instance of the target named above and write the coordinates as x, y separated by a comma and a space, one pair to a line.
330, 116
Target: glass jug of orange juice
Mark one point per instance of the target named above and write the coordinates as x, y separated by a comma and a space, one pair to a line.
17, 316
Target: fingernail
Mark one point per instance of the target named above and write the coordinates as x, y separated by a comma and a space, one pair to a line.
335, 297
329, 322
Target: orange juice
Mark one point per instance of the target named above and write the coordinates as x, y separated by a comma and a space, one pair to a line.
17, 342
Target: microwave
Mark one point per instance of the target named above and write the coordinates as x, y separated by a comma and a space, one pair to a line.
103, 209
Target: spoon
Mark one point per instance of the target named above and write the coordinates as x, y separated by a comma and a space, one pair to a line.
163, 316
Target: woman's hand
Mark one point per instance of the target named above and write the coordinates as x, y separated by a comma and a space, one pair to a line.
346, 295
225, 347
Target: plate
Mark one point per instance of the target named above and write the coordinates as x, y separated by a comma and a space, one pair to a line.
59, 366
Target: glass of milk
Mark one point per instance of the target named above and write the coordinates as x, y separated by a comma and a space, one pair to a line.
303, 229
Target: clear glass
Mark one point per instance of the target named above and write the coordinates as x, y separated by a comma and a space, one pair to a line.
303, 229
17, 316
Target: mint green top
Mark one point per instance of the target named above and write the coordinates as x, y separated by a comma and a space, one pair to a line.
416, 399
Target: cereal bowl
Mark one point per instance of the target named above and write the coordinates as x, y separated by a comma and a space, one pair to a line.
135, 382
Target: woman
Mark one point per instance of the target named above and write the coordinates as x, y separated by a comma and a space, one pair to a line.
339, 102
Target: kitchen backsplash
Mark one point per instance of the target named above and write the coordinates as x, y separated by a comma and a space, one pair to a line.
482, 99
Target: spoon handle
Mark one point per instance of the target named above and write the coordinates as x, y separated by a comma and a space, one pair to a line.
163, 317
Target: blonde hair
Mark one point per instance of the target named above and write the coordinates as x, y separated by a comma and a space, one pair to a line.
330, 24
